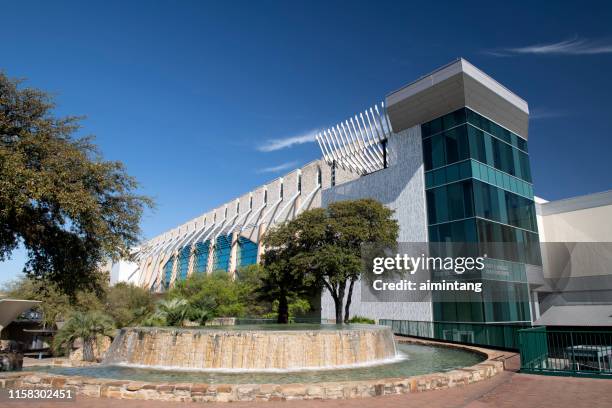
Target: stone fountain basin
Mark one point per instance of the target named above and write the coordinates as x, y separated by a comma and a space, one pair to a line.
222, 392
254, 348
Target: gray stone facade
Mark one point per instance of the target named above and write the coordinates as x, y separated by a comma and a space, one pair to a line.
401, 187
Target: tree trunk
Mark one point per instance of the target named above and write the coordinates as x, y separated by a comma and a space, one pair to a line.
338, 304
347, 307
338, 300
283, 310
88, 350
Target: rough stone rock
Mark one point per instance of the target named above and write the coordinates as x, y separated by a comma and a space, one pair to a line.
11, 361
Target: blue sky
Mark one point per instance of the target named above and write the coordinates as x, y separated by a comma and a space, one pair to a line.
206, 100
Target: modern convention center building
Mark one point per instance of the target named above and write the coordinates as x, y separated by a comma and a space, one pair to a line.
447, 152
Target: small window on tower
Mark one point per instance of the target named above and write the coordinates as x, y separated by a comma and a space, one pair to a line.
319, 176
299, 183
282, 190
265, 196
250, 202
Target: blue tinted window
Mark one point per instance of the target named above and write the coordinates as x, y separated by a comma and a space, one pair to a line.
201, 257
247, 252
223, 248
183, 262
168, 272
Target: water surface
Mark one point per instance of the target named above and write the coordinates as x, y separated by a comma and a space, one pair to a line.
419, 360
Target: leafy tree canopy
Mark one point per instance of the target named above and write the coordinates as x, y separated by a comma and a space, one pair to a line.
322, 248
67, 206
219, 294
125, 303
128, 304
284, 279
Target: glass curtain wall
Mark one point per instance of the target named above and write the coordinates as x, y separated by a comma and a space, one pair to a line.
479, 190
247, 252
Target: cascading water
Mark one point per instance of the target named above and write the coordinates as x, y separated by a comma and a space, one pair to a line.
244, 348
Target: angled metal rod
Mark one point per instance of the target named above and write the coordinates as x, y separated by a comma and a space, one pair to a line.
372, 131
323, 148
336, 150
373, 143
355, 149
343, 153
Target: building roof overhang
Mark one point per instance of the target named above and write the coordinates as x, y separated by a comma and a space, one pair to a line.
576, 315
454, 86
10, 309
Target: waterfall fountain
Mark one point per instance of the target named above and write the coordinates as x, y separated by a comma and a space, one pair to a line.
248, 348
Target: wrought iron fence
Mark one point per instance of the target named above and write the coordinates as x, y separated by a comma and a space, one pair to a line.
566, 352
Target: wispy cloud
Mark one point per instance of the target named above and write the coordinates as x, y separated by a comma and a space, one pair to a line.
280, 167
284, 143
544, 113
573, 46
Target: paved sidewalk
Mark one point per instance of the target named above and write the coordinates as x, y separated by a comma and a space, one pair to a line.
508, 389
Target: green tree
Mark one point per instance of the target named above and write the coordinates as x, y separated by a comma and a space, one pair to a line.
218, 293
68, 207
128, 304
87, 327
322, 247
283, 279
297, 307
352, 224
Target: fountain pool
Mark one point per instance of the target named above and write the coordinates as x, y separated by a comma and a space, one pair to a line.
267, 363
417, 360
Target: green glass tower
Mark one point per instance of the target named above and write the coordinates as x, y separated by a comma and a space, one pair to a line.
479, 192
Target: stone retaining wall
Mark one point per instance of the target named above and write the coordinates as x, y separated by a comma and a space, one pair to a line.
104, 388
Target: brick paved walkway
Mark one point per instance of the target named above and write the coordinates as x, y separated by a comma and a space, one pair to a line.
508, 389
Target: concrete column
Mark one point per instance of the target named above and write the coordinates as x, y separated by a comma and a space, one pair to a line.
211, 254
175, 263
233, 260
260, 233
158, 280
296, 205
191, 260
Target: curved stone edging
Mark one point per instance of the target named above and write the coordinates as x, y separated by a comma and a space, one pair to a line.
108, 388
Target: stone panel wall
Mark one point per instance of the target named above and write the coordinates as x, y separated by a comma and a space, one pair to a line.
401, 187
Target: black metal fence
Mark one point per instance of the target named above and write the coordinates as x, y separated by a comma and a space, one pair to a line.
481, 334
566, 352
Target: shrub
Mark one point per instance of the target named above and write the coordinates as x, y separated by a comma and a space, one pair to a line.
361, 320
128, 304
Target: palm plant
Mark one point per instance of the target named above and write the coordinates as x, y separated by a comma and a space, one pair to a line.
87, 327
201, 310
173, 311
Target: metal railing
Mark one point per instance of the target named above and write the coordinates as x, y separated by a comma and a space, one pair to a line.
503, 336
566, 352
